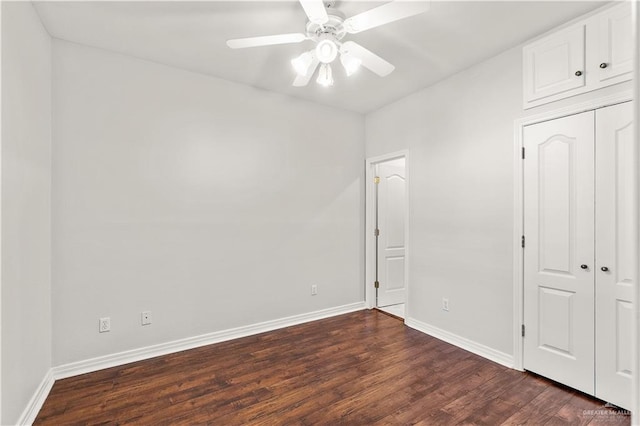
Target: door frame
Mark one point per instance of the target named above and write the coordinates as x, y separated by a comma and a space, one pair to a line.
370, 251
635, 392
518, 205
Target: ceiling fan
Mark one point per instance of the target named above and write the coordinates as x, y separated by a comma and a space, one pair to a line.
327, 27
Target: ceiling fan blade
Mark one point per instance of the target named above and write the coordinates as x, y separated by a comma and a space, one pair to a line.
369, 59
240, 43
303, 80
385, 14
315, 11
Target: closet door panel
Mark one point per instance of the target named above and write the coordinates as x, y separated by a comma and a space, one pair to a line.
615, 252
559, 231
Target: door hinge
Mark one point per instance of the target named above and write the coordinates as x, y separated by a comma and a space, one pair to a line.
376, 180
376, 233
522, 330
376, 284
523, 152
522, 242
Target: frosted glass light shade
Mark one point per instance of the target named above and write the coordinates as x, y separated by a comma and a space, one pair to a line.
301, 63
350, 63
325, 76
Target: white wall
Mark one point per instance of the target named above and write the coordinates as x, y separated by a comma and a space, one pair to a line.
460, 137
26, 195
212, 204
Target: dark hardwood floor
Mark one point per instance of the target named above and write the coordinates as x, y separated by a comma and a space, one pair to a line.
362, 368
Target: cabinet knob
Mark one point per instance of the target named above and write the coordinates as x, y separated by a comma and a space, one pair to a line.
604, 269
583, 266
603, 65
578, 73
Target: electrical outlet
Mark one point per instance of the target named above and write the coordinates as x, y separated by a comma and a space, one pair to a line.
314, 290
104, 325
445, 304
146, 317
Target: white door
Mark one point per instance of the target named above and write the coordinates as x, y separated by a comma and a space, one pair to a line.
616, 256
555, 64
559, 250
615, 44
391, 211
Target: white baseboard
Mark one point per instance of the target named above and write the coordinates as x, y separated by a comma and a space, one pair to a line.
462, 342
113, 360
94, 364
37, 400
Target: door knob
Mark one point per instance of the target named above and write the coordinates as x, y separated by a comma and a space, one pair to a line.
603, 65
604, 269
583, 266
578, 73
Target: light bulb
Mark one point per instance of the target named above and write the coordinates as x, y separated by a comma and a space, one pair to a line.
326, 51
301, 63
325, 77
350, 63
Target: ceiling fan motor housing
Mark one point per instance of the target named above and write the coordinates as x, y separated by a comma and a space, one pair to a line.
333, 28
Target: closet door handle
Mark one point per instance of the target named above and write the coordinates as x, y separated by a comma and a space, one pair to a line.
603, 65
583, 266
578, 73
604, 269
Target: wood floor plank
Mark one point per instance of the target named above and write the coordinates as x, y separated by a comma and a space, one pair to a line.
362, 368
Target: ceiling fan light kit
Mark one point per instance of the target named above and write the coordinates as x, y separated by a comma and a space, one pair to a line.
327, 31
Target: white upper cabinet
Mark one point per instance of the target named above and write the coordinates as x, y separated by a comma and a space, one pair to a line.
590, 54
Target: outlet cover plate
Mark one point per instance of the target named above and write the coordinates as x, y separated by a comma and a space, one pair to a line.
104, 325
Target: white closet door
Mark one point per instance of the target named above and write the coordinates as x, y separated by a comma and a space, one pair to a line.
615, 252
559, 252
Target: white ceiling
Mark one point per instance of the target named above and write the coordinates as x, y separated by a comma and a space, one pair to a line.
426, 48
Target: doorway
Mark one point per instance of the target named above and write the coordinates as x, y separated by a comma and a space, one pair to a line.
387, 231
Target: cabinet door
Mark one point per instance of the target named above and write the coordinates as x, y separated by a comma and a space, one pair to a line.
615, 45
615, 251
558, 256
555, 64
